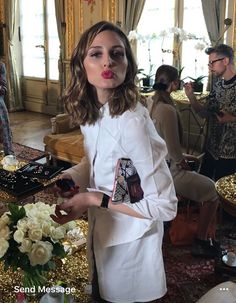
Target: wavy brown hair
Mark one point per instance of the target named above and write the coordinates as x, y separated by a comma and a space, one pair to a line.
80, 97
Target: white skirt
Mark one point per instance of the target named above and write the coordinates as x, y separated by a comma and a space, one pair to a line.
132, 272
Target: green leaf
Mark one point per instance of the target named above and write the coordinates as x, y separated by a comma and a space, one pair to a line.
51, 265
13, 208
17, 212
198, 79
58, 250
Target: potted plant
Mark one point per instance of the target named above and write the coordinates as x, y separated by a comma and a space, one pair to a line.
197, 83
181, 82
147, 80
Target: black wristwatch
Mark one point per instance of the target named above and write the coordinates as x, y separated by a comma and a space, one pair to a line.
105, 201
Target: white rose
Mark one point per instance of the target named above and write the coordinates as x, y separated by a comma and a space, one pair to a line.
5, 232
19, 235
4, 220
40, 211
28, 207
58, 233
70, 225
46, 228
33, 224
35, 234
32, 213
26, 245
41, 253
3, 247
22, 224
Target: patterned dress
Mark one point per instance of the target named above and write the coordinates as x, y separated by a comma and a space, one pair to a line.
5, 131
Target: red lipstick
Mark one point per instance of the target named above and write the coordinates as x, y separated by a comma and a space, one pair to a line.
107, 74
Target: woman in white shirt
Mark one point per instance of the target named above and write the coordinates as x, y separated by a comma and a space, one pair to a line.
125, 239
188, 184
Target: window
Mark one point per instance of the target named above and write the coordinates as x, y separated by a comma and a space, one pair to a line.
155, 47
167, 43
39, 37
194, 58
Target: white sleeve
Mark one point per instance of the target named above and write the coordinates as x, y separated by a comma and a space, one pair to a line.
147, 151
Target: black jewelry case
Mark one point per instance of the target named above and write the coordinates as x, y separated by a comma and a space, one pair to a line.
40, 171
18, 184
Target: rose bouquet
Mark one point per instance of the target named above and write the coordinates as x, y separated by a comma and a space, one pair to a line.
31, 240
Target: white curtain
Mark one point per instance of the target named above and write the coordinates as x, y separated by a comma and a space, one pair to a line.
214, 14
132, 13
14, 93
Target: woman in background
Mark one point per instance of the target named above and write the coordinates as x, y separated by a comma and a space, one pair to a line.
188, 184
125, 239
5, 131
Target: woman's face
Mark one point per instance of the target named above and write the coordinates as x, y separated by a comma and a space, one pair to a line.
106, 62
174, 85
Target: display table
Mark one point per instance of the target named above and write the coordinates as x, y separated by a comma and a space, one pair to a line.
72, 270
226, 188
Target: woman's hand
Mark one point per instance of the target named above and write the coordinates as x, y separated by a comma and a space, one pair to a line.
67, 191
75, 207
184, 165
188, 88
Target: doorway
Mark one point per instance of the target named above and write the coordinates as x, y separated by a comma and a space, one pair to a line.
40, 53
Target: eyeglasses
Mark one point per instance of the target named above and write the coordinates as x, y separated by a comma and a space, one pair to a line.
213, 61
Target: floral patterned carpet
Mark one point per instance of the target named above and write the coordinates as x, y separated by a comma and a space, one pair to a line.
23, 152
189, 278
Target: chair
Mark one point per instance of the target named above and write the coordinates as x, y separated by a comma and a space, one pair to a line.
65, 143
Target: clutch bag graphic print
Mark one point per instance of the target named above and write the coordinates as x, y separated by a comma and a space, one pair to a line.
127, 186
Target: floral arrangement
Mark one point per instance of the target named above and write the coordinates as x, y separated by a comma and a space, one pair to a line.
179, 33
31, 240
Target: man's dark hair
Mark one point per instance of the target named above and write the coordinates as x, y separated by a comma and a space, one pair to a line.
223, 50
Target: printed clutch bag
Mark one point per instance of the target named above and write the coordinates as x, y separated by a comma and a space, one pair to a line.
127, 186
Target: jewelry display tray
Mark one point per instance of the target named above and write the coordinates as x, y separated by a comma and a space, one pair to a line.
40, 171
18, 184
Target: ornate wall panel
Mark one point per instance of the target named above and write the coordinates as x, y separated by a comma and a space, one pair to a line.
2, 11
234, 27
81, 14
2, 23
70, 32
88, 12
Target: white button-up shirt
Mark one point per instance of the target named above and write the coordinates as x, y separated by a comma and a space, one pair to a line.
127, 249
131, 135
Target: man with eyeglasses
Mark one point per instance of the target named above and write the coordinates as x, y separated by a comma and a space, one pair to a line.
220, 108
